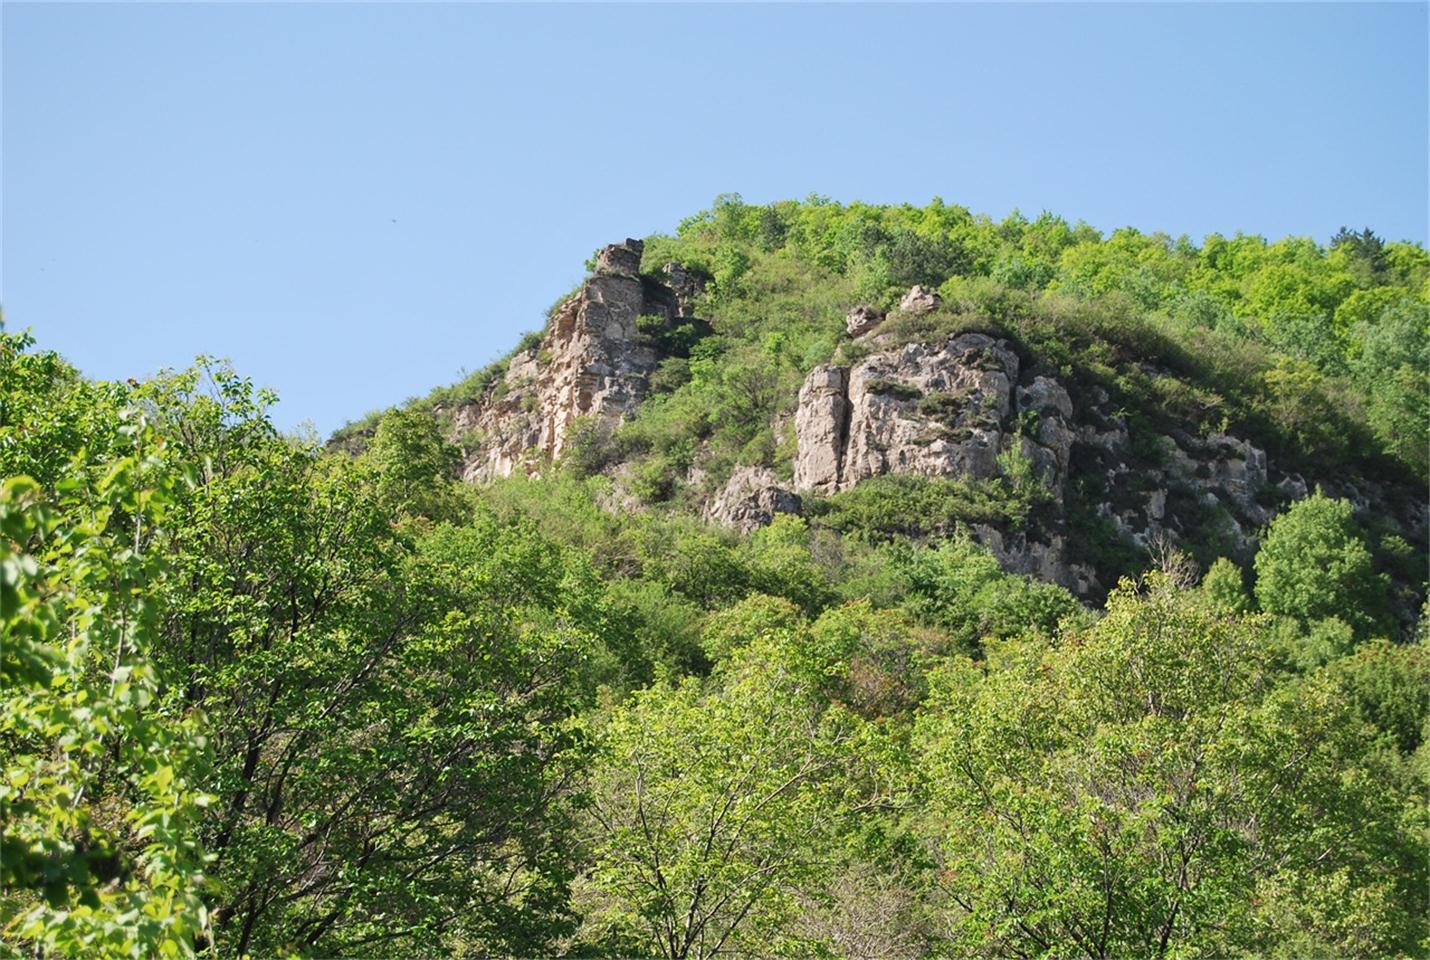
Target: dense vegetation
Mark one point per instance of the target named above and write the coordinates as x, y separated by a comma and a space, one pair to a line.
1318, 355
269, 698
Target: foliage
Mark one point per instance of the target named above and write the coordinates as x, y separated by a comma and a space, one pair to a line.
390, 717
100, 800
1138, 788
1315, 564
267, 699
904, 505
414, 465
711, 810
390, 706
962, 589
1225, 586
1266, 338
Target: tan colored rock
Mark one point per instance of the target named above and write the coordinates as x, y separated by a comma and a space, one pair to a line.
862, 319
595, 368
920, 299
1050, 447
820, 423
751, 499
1048, 562
933, 412
620, 259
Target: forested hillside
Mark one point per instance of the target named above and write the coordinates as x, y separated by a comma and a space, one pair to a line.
821, 580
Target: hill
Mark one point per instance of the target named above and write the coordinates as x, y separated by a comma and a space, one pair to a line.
822, 580
1074, 402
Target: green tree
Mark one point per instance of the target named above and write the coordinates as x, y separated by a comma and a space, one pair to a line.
390, 715
1391, 362
100, 799
960, 587
1365, 249
1140, 788
1314, 565
389, 705
416, 466
1225, 586
712, 810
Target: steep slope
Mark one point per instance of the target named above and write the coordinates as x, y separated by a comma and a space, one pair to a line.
593, 362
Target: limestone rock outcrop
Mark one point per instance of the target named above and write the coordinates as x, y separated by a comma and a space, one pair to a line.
1017, 552
958, 408
751, 499
591, 367
821, 424
620, 259
934, 411
968, 406
1051, 444
862, 319
920, 299
930, 411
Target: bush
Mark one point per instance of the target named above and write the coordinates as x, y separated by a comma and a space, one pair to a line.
1315, 565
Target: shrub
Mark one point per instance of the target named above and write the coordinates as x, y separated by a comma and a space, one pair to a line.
1315, 565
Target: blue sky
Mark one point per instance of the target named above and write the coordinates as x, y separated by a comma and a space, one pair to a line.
355, 202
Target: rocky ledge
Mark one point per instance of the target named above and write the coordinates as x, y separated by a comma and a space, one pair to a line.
958, 408
967, 407
592, 365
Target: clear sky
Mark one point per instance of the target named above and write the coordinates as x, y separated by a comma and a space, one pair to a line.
355, 202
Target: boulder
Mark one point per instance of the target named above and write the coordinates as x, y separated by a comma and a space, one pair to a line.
751, 499
620, 259
862, 319
920, 299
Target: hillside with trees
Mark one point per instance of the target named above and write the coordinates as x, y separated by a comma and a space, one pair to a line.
822, 580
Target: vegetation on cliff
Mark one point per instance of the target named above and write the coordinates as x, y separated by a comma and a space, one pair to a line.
1313, 351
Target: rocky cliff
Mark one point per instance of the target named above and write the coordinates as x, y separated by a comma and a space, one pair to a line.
968, 407
592, 364
959, 408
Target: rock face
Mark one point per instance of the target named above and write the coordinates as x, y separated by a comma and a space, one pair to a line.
751, 499
1050, 447
933, 411
965, 408
684, 286
942, 410
592, 367
1017, 553
821, 425
930, 411
620, 259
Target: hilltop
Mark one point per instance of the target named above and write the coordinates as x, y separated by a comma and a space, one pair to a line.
1077, 403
